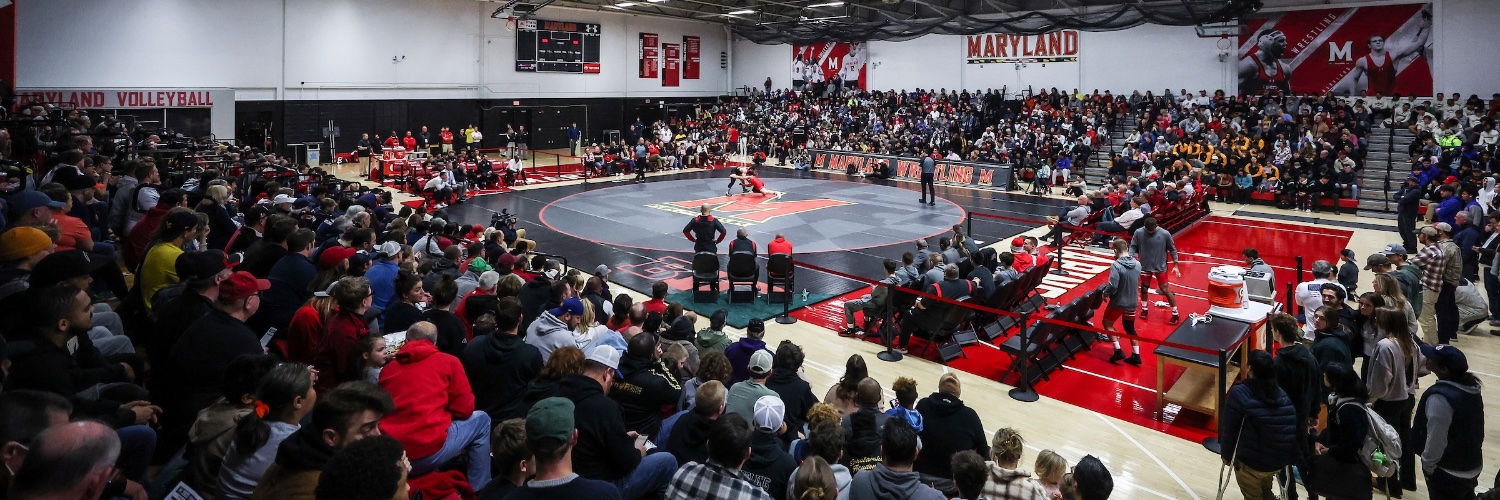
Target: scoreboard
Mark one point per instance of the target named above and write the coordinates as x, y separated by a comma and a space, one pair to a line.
557, 46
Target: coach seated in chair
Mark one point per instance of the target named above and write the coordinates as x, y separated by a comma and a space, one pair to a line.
927, 314
743, 245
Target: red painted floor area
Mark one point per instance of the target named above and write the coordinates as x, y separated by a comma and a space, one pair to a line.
1124, 391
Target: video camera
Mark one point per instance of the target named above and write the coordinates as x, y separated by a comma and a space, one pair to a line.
503, 219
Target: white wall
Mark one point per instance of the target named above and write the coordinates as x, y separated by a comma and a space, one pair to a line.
750, 63
334, 49
1148, 57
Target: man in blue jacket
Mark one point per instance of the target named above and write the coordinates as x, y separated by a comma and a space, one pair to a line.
573, 135
1449, 204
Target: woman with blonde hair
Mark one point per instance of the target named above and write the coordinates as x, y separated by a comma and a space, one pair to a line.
814, 481
215, 204
842, 395
1007, 480
1390, 291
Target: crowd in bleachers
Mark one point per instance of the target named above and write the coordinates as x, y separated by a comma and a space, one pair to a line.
223, 319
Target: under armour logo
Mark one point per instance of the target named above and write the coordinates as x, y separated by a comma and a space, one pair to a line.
591, 28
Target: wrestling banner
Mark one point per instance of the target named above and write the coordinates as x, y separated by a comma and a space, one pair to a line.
820, 62
1377, 50
958, 172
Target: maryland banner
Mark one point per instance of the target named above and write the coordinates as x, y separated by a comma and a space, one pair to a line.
822, 61
960, 172
1377, 50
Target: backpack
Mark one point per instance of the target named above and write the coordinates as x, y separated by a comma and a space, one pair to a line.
1381, 451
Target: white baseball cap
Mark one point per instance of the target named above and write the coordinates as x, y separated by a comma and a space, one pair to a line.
769, 413
605, 355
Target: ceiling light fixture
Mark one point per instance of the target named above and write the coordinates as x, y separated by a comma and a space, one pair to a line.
622, 5
829, 4
740, 12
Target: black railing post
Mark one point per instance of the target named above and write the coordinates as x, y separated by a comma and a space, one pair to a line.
1023, 391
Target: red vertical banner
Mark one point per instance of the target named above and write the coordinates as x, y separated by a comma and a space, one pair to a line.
648, 55
8, 43
671, 56
692, 48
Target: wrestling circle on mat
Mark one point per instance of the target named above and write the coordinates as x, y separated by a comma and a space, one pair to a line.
815, 215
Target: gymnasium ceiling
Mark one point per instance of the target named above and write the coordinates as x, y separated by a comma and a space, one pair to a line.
802, 21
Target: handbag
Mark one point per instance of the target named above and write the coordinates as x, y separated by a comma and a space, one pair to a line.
1333, 478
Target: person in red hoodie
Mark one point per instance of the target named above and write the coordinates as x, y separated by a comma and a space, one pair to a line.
435, 417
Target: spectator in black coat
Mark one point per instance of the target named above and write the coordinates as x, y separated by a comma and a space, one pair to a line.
1258, 429
535, 294
1347, 426
948, 427
645, 386
499, 364
606, 450
796, 394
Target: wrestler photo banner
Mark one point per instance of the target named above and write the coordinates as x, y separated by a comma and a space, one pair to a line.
1379, 50
959, 172
820, 62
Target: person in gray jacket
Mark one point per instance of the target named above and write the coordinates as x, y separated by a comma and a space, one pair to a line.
554, 328
1124, 277
893, 478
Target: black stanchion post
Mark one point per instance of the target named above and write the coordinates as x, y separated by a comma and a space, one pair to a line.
887, 330
786, 302
1292, 307
1023, 391
1299, 268
969, 221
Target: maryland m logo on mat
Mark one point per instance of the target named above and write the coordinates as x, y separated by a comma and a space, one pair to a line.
748, 210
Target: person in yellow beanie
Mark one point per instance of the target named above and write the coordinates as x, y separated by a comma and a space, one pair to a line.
21, 248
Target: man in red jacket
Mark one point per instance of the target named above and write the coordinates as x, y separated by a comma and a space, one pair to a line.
435, 418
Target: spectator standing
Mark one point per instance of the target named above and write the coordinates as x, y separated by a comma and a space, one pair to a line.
1258, 430
1335, 455
435, 417
1449, 425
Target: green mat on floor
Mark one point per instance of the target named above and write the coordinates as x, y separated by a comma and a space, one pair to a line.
741, 313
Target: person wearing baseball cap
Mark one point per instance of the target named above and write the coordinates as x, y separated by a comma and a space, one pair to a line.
1348, 274
1449, 427
192, 374
606, 450
551, 438
382, 273
1021, 258
554, 328
740, 352
1441, 266
29, 208
769, 464
743, 395
200, 272
601, 271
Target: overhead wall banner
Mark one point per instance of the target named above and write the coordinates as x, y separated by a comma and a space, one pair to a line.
671, 57
692, 55
126, 99
820, 62
959, 172
1379, 50
648, 55
1057, 46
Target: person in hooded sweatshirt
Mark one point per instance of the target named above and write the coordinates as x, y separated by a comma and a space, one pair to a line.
1124, 278
739, 352
688, 439
794, 391
893, 478
554, 328
826, 441
606, 450
713, 337
948, 427
342, 415
769, 465
645, 387
497, 362
435, 419
867, 396
680, 332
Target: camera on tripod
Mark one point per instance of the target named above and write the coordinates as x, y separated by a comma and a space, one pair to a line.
503, 219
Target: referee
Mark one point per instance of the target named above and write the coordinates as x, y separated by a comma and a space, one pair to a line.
929, 171
704, 231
